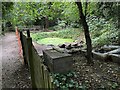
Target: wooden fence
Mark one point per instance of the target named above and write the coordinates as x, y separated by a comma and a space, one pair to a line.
19, 44
40, 76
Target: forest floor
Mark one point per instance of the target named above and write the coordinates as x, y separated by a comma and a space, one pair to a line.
102, 75
14, 73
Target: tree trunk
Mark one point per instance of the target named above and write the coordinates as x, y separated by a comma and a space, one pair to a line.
119, 37
86, 6
86, 31
118, 22
46, 23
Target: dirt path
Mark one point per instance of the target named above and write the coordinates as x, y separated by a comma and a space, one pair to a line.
14, 73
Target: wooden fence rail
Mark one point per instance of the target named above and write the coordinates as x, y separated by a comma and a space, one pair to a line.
40, 76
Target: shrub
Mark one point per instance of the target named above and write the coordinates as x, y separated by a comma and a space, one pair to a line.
102, 31
64, 33
108, 37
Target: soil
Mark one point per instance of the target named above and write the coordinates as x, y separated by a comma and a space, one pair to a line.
14, 73
102, 75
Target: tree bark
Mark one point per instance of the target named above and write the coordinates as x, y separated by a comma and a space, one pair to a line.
118, 8
86, 31
86, 6
46, 23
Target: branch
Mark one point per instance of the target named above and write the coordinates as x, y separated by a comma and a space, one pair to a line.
86, 6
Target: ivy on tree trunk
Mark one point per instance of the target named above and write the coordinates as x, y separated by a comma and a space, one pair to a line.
86, 31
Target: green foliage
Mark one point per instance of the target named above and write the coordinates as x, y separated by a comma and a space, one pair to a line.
26, 13
6, 7
66, 81
23, 13
65, 33
60, 25
106, 38
54, 41
114, 85
70, 12
102, 31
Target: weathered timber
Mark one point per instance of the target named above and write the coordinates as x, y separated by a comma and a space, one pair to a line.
116, 51
110, 47
109, 56
115, 58
32, 70
99, 56
23, 47
61, 50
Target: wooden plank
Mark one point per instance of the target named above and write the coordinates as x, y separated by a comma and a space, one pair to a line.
110, 47
99, 56
43, 76
48, 79
28, 33
115, 58
116, 51
22, 39
39, 73
29, 41
26, 49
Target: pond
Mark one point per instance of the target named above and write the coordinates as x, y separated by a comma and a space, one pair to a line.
54, 41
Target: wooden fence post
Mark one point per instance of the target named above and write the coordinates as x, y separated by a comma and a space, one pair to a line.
32, 70
23, 48
19, 42
28, 33
43, 76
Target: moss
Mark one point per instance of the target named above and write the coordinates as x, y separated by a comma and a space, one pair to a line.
54, 41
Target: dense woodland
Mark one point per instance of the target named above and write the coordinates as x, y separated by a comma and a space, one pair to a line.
99, 21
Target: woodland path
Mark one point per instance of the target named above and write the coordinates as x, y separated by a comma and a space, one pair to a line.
14, 73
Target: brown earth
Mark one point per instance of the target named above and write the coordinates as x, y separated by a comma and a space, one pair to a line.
101, 76
14, 73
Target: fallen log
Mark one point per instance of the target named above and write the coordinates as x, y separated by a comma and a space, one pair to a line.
61, 50
115, 58
113, 55
107, 56
116, 51
110, 47
100, 56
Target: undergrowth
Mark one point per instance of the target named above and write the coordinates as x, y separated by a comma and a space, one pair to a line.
69, 33
67, 81
102, 31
